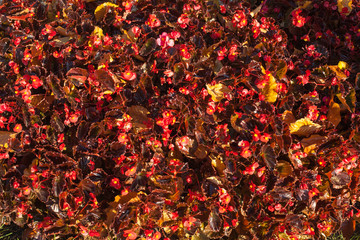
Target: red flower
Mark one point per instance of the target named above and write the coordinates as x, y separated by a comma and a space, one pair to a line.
239, 19
115, 183
129, 75
130, 234
36, 82
153, 21
298, 20
17, 128
183, 20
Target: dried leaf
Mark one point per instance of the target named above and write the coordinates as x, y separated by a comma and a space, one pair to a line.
217, 91
304, 127
334, 113
101, 10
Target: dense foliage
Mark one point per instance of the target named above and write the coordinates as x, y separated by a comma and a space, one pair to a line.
200, 119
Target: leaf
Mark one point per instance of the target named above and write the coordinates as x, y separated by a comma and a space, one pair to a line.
334, 113
77, 76
270, 90
139, 117
281, 70
107, 82
215, 221
340, 180
312, 142
284, 168
5, 136
338, 72
288, 117
41, 101
101, 10
344, 4
217, 91
268, 154
148, 47
304, 127
217, 163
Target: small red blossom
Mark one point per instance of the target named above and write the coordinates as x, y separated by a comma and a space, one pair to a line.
297, 20
129, 75
153, 21
17, 128
239, 19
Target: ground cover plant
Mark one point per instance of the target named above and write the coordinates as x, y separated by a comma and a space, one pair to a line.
187, 119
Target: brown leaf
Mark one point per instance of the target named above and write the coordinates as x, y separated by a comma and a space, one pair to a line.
311, 142
288, 117
5, 136
340, 180
284, 168
42, 102
334, 113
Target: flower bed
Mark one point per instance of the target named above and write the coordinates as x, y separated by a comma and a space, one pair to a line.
179, 119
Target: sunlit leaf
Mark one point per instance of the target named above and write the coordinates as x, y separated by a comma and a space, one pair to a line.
217, 91
217, 163
270, 90
101, 10
344, 4
334, 113
304, 127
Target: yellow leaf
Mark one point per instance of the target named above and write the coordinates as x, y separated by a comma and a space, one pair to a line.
217, 91
100, 11
270, 90
97, 32
303, 127
339, 73
343, 65
217, 163
334, 113
344, 4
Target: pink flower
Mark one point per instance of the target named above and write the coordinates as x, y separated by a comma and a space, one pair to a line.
164, 40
